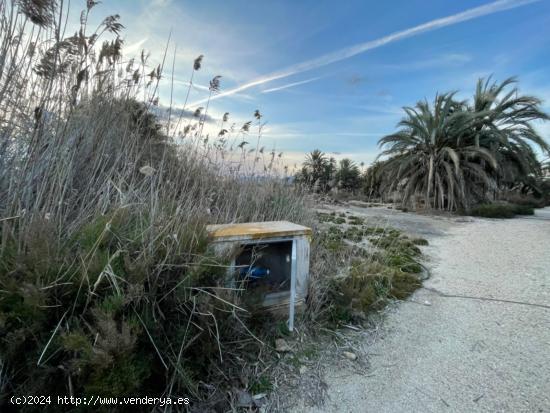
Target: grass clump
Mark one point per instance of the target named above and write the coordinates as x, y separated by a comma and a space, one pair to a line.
331, 218
262, 384
365, 279
420, 241
332, 239
355, 220
367, 287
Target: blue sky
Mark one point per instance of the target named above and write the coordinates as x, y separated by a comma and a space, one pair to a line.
325, 74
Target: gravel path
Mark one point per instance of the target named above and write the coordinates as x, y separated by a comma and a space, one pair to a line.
440, 353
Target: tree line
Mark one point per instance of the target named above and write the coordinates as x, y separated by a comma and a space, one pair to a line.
322, 173
450, 153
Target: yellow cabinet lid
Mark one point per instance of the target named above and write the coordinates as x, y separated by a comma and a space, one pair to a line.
255, 230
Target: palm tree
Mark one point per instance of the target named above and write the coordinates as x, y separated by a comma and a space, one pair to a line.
348, 175
316, 166
546, 168
373, 180
330, 173
455, 153
428, 155
504, 127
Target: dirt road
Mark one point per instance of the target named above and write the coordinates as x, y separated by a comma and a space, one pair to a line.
445, 349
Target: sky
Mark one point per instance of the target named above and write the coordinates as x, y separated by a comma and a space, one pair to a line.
334, 75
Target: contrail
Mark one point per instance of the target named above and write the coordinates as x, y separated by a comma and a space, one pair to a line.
347, 52
134, 48
289, 85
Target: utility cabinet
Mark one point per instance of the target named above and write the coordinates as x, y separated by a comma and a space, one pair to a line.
270, 258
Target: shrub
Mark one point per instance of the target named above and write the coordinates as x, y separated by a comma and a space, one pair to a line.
419, 241
523, 210
493, 211
501, 210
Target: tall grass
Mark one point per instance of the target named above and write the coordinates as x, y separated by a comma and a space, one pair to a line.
108, 286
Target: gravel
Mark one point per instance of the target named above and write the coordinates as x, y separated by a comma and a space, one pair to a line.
457, 354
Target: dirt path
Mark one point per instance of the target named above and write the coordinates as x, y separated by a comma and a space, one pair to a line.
440, 353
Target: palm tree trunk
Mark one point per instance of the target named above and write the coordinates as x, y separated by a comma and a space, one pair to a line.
430, 180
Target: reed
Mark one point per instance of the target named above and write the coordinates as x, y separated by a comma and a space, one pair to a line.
107, 283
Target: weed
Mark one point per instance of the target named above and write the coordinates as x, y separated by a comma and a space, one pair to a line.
374, 230
262, 384
354, 220
332, 239
282, 329
332, 217
354, 234
419, 241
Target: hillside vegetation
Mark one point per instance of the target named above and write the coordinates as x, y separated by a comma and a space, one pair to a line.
107, 286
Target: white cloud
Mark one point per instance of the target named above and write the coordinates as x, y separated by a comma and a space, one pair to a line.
348, 52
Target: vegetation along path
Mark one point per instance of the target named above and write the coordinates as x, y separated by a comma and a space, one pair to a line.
442, 351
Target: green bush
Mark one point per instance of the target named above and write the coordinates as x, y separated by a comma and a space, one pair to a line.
524, 210
501, 210
420, 241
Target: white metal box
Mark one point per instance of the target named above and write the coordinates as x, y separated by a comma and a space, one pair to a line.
276, 251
